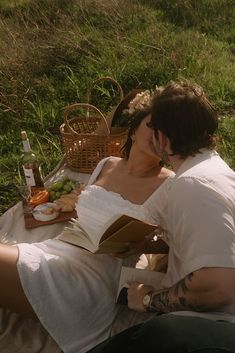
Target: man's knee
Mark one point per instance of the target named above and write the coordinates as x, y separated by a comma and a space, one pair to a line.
175, 333
162, 333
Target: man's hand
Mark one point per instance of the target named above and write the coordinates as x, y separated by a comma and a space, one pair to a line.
136, 293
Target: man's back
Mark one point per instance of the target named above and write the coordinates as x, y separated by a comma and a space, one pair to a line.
201, 216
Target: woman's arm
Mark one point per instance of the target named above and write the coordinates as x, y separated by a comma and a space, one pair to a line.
147, 246
151, 247
207, 289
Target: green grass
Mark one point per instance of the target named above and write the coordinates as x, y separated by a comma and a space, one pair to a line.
52, 50
226, 145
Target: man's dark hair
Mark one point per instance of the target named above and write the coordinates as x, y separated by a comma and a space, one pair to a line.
184, 114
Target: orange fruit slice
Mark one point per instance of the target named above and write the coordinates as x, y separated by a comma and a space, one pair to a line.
39, 197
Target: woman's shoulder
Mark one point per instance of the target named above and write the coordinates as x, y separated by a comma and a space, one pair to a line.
113, 161
104, 165
110, 160
110, 163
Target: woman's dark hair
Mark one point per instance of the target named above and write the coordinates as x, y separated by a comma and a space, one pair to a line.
184, 114
135, 121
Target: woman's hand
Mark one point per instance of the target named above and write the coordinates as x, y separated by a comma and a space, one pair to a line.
136, 293
146, 246
162, 264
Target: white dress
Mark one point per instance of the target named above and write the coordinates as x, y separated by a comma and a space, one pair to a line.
71, 290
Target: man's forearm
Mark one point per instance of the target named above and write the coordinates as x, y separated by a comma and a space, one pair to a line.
197, 292
175, 298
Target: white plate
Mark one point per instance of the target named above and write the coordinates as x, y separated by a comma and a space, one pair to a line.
39, 212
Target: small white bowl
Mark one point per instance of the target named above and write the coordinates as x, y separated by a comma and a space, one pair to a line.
45, 212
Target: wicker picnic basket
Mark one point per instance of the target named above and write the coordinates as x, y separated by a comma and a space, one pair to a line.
88, 136
83, 144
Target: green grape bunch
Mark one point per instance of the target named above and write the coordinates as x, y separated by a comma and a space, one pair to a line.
60, 187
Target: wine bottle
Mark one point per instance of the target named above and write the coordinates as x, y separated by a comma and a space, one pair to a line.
31, 165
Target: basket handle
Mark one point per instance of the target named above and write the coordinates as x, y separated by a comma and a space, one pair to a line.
105, 78
75, 106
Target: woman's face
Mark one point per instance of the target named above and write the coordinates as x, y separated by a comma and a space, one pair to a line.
143, 139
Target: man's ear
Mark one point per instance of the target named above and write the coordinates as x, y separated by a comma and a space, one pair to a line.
164, 142
162, 139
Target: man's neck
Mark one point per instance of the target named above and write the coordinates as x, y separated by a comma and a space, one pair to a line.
176, 162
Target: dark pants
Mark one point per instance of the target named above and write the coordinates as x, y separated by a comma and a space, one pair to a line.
173, 334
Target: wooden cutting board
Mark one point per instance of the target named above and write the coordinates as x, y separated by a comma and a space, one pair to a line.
31, 222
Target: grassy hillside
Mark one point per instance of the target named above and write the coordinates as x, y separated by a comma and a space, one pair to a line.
51, 51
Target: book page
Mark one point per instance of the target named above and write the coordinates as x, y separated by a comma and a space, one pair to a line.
132, 274
113, 225
133, 231
77, 237
121, 230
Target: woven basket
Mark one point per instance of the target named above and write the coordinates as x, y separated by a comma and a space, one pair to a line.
83, 144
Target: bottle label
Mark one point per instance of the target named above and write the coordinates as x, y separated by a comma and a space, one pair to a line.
29, 176
26, 145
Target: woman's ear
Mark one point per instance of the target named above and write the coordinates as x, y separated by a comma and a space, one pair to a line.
133, 137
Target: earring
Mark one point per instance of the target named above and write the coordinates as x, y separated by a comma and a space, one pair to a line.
133, 139
165, 156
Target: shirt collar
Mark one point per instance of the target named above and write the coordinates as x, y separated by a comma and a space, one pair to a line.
191, 161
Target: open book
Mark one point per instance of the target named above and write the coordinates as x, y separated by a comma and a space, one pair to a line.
112, 237
130, 274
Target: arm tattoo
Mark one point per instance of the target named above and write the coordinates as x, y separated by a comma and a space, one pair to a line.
175, 298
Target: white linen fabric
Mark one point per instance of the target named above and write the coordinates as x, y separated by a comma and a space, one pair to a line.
71, 290
201, 221
22, 335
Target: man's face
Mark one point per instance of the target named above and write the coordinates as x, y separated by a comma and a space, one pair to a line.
159, 147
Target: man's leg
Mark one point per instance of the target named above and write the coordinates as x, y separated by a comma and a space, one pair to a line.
173, 334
